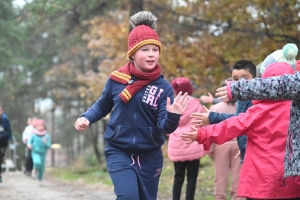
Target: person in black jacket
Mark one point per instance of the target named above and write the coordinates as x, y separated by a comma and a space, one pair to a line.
5, 136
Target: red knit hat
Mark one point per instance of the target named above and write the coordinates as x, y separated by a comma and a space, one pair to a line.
182, 84
143, 33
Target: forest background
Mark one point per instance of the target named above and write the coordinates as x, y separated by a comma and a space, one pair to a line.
55, 55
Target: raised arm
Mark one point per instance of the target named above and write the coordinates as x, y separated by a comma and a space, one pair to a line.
286, 87
226, 130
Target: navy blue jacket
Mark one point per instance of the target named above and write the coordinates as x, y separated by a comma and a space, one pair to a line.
6, 134
242, 106
139, 125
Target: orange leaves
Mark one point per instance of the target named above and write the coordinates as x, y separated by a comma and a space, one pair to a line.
108, 34
106, 39
201, 40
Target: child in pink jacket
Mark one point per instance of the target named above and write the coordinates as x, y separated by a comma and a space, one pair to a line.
186, 157
266, 124
226, 162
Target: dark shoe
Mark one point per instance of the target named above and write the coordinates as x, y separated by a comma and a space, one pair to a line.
27, 173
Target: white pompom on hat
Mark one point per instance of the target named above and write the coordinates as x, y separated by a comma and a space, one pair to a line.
287, 54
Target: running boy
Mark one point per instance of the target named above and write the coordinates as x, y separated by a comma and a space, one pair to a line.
139, 100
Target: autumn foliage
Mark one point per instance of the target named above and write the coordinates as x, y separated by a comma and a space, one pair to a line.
201, 39
65, 50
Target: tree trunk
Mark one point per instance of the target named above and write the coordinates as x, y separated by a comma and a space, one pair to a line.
135, 6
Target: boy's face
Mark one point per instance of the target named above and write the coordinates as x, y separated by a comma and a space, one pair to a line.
237, 74
146, 57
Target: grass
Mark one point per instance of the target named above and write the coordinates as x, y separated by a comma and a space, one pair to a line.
204, 190
88, 175
205, 180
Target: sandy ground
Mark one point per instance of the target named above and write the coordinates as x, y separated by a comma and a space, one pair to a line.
18, 186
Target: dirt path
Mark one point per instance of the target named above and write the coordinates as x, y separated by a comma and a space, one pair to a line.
17, 186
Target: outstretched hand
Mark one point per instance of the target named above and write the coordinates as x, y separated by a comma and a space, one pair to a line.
207, 99
82, 124
222, 93
201, 119
190, 137
179, 105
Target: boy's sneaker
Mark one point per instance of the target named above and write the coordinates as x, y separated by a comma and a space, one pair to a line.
33, 175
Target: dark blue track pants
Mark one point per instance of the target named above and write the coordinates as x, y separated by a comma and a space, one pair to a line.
134, 177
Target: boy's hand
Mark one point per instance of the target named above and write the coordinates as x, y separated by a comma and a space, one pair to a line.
190, 137
179, 105
201, 119
29, 146
207, 99
222, 94
82, 124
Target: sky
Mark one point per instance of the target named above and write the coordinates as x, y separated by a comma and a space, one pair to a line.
19, 3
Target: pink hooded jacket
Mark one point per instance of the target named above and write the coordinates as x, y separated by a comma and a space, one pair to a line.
266, 125
178, 150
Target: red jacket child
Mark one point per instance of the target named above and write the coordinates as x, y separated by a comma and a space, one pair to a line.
266, 125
